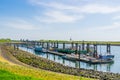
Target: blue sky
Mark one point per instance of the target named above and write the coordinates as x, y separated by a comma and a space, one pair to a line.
60, 19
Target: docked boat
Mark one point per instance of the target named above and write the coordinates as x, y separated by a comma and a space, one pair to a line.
106, 57
69, 57
40, 49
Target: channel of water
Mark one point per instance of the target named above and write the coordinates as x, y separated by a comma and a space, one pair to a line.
109, 67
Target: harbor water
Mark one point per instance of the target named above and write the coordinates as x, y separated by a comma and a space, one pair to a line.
109, 67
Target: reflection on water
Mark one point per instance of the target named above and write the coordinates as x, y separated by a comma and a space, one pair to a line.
114, 67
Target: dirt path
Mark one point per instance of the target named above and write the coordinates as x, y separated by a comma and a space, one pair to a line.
8, 58
2, 58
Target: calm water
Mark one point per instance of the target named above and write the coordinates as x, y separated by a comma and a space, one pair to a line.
114, 67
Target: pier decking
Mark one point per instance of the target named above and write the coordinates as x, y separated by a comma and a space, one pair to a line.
83, 58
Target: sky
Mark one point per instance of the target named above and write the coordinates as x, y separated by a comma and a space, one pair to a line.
97, 20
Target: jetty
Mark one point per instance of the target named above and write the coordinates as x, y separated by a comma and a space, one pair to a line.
80, 51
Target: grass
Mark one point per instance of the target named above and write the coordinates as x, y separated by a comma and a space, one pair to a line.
6, 75
24, 73
5, 40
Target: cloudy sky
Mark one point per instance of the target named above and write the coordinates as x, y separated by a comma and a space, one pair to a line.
60, 19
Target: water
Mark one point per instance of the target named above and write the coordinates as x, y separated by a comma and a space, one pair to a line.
110, 67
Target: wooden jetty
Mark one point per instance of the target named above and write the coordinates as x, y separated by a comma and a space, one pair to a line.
77, 46
83, 58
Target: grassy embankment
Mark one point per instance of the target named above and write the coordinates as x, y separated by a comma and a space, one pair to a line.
11, 71
15, 72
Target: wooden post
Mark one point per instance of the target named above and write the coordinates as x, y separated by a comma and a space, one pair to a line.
57, 44
72, 45
95, 50
48, 45
63, 45
42, 44
54, 45
17, 47
83, 46
88, 48
76, 48
108, 48
79, 51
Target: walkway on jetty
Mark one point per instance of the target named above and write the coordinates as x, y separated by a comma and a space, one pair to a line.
83, 58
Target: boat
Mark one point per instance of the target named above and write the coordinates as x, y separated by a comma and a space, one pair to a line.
106, 57
40, 49
68, 57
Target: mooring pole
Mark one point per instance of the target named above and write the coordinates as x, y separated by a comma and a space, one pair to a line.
17, 46
42, 44
76, 48
63, 45
108, 48
47, 45
83, 46
95, 50
79, 51
57, 44
88, 48
54, 45
72, 45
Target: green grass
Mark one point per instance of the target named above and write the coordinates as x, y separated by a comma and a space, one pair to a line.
6, 75
5, 40
15, 72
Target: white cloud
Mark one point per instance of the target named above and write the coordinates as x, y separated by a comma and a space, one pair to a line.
61, 12
97, 8
60, 6
57, 16
86, 8
19, 24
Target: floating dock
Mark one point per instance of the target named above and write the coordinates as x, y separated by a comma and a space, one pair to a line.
83, 58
